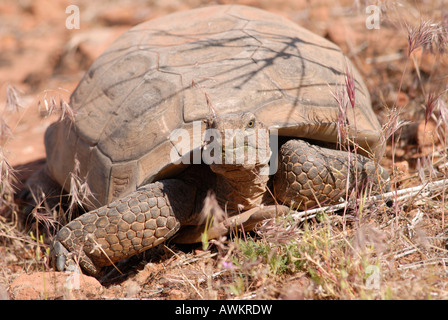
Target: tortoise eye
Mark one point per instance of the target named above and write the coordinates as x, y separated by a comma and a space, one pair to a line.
251, 124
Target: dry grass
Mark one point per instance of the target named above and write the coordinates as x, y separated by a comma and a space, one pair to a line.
368, 250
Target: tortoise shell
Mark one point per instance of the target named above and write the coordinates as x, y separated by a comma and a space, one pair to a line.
162, 75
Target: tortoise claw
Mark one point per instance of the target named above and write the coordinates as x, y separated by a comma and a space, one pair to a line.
62, 258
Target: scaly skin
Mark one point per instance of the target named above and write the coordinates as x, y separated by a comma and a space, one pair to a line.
123, 228
309, 175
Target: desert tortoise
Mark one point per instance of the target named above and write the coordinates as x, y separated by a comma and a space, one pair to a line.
218, 67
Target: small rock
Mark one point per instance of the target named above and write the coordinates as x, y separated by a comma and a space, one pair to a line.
132, 289
429, 62
176, 294
298, 289
403, 168
3, 293
427, 136
55, 285
402, 99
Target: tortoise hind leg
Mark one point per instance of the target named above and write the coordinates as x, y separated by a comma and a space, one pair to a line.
310, 175
125, 227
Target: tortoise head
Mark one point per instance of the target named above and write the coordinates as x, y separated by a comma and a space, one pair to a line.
236, 141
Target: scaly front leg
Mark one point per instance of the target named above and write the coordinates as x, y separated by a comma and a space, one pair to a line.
310, 175
125, 227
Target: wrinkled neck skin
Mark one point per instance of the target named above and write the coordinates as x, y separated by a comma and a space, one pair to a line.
239, 188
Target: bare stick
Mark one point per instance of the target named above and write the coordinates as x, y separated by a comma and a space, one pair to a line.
397, 195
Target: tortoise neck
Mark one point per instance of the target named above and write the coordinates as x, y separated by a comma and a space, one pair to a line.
239, 189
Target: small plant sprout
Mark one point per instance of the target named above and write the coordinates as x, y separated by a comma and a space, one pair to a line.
342, 122
13, 99
427, 35
48, 105
432, 101
211, 215
350, 85
80, 192
7, 180
13, 104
